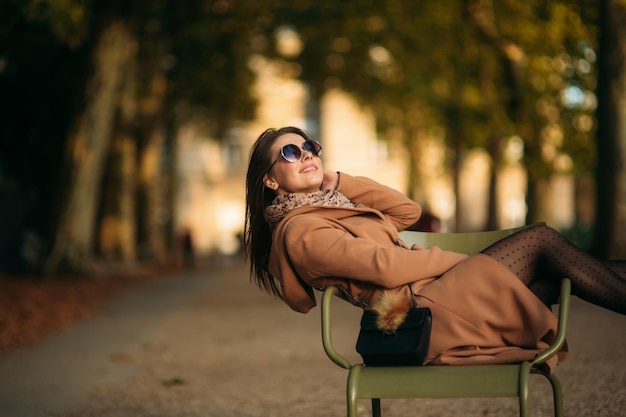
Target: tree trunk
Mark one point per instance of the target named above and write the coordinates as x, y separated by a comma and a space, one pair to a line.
154, 211
88, 144
495, 152
117, 240
455, 140
415, 184
117, 221
609, 237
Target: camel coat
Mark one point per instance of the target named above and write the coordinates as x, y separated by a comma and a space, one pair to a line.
482, 313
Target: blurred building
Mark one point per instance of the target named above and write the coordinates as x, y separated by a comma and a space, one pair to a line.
211, 173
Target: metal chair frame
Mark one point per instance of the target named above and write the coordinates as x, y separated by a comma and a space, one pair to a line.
510, 380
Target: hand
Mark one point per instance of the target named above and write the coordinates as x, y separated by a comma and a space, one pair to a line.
330, 181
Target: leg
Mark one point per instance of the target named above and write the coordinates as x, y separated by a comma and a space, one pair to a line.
619, 267
376, 407
540, 257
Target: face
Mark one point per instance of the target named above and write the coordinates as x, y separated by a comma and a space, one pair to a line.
303, 176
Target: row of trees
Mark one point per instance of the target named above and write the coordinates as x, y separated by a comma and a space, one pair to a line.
93, 93
486, 71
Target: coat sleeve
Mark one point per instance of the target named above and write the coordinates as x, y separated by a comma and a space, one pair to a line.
400, 210
318, 249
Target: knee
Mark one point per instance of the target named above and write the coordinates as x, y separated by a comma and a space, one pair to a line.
546, 236
544, 229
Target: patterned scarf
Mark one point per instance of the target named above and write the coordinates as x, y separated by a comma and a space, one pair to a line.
284, 204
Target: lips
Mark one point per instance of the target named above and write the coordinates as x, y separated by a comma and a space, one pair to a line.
308, 168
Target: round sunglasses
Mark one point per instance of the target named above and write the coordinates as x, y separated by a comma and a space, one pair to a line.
293, 153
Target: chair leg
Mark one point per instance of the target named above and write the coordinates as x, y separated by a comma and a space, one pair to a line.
524, 375
557, 394
351, 392
352, 406
376, 407
557, 391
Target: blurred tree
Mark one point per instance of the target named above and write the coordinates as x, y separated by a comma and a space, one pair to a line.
193, 58
609, 238
90, 139
545, 55
189, 62
42, 65
144, 69
481, 70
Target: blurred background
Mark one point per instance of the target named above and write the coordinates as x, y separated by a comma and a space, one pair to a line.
125, 127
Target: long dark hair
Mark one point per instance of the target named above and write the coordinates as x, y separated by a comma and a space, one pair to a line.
257, 235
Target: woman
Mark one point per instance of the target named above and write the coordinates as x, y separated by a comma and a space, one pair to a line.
308, 228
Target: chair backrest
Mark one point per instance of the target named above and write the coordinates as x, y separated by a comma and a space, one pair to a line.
470, 243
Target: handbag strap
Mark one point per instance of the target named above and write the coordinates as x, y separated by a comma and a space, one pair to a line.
410, 285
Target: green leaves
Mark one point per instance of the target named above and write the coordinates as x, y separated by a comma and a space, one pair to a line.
68, 20
493, 62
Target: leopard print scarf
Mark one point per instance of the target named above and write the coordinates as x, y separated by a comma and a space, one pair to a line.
284, 204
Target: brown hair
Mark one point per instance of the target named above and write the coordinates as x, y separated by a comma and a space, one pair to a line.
257, 235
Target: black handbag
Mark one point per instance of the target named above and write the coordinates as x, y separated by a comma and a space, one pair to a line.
406, 346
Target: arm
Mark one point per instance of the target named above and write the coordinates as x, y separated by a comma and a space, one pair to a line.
398, 208
322, 250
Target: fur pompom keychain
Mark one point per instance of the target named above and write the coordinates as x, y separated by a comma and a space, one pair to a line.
392, 309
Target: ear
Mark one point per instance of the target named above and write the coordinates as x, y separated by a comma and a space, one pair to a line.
270, 182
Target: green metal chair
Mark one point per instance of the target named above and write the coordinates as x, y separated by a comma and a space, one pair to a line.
510, 380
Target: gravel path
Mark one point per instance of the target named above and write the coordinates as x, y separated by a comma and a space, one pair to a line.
210, 344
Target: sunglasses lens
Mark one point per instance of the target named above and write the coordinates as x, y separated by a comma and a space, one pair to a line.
312, 146
291, 153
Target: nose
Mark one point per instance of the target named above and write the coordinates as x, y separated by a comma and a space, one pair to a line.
306, 154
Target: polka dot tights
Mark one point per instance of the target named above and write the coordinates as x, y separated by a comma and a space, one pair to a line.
540, 256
